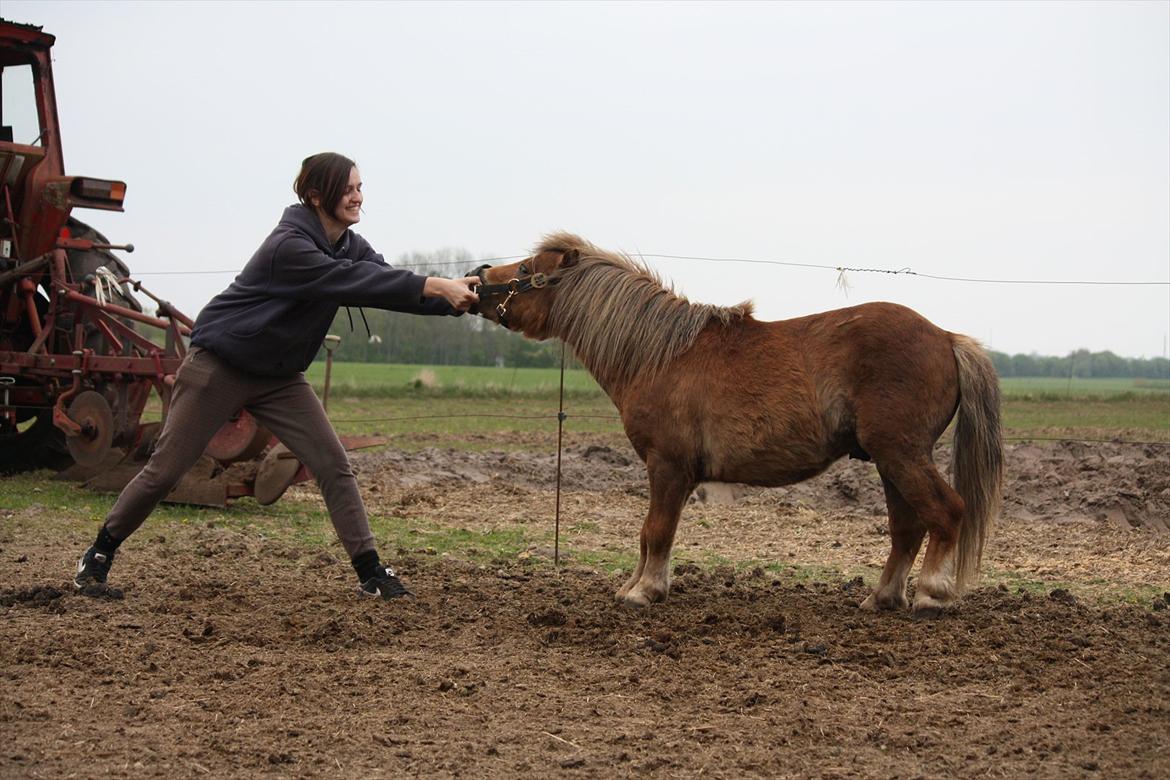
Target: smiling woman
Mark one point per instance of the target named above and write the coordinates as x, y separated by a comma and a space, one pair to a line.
331, 185
251, 345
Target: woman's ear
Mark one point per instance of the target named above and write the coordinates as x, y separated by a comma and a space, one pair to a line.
570, 258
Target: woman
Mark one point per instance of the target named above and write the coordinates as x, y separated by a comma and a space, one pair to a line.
250, 346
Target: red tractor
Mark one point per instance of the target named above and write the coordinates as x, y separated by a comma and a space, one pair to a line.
79, 354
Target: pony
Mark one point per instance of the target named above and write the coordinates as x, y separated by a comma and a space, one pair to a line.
711, 394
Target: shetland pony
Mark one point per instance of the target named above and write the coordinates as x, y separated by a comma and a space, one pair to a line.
711, 394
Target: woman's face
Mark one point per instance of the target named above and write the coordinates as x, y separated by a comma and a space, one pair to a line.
349, 208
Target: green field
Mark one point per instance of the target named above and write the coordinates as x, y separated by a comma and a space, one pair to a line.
376, 379
392, 379
473, 403
1058, 387
476, 400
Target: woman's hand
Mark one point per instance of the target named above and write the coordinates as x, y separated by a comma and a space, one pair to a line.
457, 292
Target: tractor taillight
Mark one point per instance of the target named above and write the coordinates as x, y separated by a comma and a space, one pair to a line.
99, 189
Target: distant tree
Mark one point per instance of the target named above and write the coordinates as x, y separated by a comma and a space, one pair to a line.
407, 338
1002, 362
1080, 363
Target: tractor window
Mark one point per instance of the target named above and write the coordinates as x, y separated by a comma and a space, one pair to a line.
18, 106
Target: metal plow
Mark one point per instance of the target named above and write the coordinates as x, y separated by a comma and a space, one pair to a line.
212, 482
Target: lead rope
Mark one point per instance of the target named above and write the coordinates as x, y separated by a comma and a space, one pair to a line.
560, 432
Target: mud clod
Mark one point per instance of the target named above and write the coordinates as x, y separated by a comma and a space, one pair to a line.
38, 596
547, 617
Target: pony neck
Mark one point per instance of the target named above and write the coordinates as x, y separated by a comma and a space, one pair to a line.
623, 324
614, 387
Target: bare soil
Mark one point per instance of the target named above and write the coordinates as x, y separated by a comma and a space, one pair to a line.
227, 653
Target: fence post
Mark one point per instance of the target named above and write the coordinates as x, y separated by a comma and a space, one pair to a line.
560, 432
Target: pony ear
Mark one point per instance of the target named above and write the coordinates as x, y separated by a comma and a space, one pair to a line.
570, 258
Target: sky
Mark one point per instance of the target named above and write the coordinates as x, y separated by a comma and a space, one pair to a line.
1008, 141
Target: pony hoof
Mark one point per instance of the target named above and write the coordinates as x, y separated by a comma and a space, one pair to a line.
927, 608
926, 613
640, 597
874, 603
634, 601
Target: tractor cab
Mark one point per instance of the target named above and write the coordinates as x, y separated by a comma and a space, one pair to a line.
36, 197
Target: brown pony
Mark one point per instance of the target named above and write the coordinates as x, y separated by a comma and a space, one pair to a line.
710, 394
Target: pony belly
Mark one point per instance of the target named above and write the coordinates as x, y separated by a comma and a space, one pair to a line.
766, 473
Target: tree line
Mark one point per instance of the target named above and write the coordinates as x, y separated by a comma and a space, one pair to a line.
1081, 364
473, 341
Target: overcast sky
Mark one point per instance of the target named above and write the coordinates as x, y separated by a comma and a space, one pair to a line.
1004, 141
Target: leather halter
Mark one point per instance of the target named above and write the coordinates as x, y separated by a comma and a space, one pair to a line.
522, 282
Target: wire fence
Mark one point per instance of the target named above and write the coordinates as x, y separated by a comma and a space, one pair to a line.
839, 269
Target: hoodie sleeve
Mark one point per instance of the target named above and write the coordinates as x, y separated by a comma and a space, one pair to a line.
434, 305
299, 270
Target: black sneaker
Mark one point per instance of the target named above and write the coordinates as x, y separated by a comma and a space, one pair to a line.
93, 568
385, 586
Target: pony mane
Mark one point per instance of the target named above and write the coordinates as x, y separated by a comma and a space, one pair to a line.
619, 317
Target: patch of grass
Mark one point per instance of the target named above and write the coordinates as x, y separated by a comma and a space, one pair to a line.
446, 416
1149, 415
419, 536
1100, 591
609, 561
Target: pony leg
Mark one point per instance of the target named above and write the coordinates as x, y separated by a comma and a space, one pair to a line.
637, 575
650, 582
940, 509
906, 534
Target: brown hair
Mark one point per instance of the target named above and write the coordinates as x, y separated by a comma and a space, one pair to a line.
324, 175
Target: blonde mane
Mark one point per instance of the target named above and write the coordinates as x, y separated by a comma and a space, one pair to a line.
618, 316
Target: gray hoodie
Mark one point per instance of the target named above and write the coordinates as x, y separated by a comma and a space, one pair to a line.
273, 318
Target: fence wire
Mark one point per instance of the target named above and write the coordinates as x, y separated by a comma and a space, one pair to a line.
839, 269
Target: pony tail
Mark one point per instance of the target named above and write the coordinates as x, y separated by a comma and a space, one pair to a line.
977, 460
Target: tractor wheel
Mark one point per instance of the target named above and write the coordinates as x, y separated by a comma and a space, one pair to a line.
28, 447
84, 263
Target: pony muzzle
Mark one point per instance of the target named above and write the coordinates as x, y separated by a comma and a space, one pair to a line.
478, 271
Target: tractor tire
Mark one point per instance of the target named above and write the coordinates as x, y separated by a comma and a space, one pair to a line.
83, 263
39, 446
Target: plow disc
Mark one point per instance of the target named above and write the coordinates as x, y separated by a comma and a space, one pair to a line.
241, 438
210, 482
92, 413
277, 472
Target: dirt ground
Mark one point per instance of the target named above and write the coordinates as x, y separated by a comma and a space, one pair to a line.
233, 654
